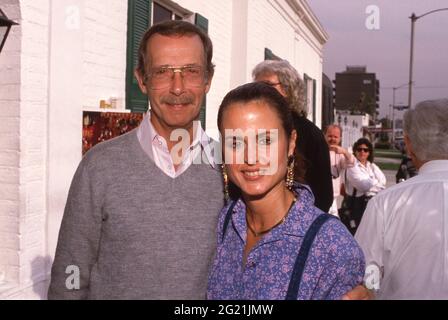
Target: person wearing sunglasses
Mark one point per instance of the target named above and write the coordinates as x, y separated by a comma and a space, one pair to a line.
362, 181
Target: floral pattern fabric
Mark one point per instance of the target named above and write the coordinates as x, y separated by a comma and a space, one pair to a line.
334, 266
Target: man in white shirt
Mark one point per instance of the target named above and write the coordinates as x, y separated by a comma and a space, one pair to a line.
404, 231
340, 160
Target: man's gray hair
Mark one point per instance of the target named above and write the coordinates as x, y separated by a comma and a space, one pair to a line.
289, 79
427, 128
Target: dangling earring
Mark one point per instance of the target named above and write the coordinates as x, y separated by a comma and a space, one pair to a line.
226, 183
290, 173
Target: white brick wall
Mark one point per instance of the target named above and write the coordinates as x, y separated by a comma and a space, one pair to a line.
9, 151
24, 96
33, 140
219, 15
104, 61
270, 26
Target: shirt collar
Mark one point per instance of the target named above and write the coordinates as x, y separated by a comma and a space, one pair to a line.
147, 135
368, 164
434, 166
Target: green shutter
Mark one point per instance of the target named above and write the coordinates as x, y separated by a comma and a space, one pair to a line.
202, 23
269, 55
139, 18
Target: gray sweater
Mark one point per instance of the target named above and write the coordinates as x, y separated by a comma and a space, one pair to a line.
133, 232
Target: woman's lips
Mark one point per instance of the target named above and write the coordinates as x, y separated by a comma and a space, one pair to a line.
253, 175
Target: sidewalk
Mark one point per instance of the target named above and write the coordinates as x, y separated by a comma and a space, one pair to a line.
387, 160
390, 176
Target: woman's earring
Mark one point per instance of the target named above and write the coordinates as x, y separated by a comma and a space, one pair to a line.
226, 182
290, 173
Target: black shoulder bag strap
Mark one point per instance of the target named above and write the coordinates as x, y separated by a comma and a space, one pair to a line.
227, 219
299, 265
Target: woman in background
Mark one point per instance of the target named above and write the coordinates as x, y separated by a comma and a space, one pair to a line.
362, 181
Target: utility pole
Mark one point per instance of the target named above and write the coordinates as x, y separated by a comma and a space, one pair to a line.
414, 18
394, 89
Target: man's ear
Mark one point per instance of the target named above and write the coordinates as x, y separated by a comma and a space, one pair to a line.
410, 152
208, 83
408, 145
141, 81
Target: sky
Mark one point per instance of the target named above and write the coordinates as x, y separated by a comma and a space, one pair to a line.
384, 47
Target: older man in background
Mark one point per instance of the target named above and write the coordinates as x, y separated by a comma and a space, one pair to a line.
340, 159
404, 230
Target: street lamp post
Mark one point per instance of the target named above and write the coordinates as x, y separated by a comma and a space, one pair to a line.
414, 18
393, 110
5, 27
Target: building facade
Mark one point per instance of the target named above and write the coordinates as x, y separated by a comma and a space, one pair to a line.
357, 90
353, 126
68, 55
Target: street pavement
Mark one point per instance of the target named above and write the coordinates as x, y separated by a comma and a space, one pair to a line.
390, 177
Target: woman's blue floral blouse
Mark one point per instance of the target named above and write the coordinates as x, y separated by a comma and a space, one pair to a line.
335, 263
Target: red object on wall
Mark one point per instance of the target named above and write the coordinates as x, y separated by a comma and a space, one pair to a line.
102, 126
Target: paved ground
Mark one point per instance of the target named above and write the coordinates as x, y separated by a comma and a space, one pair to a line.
390, 176
387, 160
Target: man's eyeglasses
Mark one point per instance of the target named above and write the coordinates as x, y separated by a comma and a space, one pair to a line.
162, 77
363, 149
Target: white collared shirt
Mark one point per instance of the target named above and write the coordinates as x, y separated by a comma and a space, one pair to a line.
405, 231
368, 180
156, 148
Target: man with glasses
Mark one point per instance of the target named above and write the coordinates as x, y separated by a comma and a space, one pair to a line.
404, 230
141, 215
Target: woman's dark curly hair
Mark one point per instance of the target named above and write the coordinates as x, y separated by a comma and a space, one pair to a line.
369, 145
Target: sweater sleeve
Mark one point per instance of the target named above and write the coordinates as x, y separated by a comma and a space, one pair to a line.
78, 241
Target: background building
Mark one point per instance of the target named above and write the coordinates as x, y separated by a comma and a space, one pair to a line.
68, 55
353, 126
357, 90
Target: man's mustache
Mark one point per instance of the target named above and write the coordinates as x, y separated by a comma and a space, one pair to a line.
177, 100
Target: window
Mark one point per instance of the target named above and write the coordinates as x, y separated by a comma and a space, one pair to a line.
269, 55
310, 94
161, 14
167, 10
141, 15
